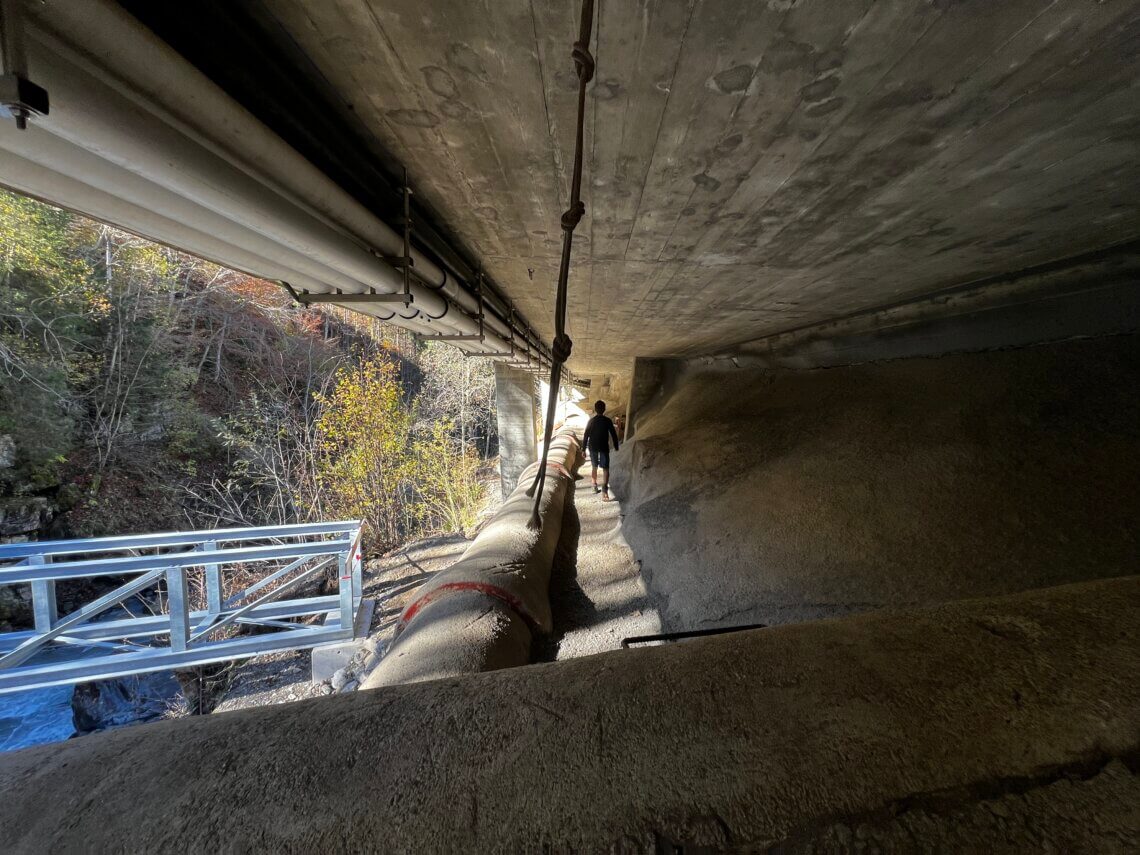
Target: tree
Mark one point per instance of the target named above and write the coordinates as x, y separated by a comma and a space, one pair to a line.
144, 388
461, 391
45, 326
446, 477
363, 442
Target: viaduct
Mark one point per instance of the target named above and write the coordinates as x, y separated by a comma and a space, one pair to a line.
861, 279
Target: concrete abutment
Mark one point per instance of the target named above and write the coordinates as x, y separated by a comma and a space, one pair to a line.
517, 410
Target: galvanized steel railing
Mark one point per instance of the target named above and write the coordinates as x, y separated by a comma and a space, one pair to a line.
77, 648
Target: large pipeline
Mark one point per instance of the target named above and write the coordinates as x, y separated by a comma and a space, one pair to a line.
205, 112
54, 169
136, 128
482, 612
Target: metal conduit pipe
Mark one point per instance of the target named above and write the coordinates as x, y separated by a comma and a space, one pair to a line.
21, 175
190, 172
419, 326
208, 115
187, 223
50, 182
445, 326
55, 155
32, 179
52, 168
93, 116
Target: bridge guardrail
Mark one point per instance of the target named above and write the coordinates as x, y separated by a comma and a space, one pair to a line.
76, 647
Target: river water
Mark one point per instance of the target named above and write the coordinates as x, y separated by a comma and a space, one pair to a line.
35, 717
44, 715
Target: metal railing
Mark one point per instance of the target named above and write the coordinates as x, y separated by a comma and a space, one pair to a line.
178, 570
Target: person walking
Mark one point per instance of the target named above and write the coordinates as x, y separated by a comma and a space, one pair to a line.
599, 429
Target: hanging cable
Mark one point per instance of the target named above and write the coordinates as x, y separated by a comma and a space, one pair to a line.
562, 345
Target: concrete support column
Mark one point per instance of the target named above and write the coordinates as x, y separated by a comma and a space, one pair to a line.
516, 407
648, 376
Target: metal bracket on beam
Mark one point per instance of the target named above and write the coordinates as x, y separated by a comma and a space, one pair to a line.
405, 262
18, 95
449, 337
22, 98
306, 298
479, 336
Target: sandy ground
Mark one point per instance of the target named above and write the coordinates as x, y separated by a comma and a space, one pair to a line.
596, 592
784, 496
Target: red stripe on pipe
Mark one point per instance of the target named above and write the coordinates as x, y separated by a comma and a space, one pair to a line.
556, 469
482, 587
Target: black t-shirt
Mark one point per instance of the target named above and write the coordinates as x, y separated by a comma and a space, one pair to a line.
599, 429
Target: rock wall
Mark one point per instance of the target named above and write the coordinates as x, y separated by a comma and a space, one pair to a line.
777, 496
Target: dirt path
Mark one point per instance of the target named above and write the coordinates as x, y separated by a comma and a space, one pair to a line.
596, 592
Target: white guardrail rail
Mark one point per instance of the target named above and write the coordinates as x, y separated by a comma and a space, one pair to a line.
185, 617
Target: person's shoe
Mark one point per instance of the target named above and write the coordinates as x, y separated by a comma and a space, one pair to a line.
597, 489
605, 495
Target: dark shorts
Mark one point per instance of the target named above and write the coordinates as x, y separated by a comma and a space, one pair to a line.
601, 459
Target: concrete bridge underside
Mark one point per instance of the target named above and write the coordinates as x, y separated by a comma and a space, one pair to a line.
751, 167
772, 189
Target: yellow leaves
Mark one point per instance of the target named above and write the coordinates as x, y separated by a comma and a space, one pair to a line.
373, 466
363, 435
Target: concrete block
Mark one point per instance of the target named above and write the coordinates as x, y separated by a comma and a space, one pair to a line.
330, 658
1004, 724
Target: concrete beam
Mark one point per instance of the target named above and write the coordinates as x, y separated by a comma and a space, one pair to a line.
1011, 721
327, 659
752, 167
1091, 296
517, 412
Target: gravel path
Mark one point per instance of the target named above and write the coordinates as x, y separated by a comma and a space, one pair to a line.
279, 678
596, 592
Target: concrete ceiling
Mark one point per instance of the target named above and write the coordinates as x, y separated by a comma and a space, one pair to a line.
752, 167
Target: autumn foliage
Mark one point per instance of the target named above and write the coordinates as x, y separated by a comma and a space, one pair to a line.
144, 389
373, 463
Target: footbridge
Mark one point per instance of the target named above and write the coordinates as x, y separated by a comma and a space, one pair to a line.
859, 279
187, 618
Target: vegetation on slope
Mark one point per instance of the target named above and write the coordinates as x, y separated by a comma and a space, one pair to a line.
143, 389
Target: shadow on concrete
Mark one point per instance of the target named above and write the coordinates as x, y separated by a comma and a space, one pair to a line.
569, 604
